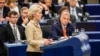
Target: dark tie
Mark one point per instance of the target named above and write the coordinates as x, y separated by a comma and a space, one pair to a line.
15, 32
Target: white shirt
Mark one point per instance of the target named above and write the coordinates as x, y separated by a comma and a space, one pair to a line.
18, 33
75, 12
63, 26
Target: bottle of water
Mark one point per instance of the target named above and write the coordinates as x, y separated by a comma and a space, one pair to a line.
76, 32
82, 30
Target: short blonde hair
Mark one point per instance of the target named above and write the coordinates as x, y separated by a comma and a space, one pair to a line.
33, 9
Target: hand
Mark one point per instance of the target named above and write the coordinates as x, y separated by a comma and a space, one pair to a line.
7, 18
45, 7
2, 19
61, 38
51, 40
47, 41
25, 21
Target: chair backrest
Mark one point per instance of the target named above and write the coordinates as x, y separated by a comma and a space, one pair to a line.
46, 30
50, 22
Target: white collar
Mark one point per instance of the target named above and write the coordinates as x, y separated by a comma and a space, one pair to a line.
73, 8
12, 25
63, 26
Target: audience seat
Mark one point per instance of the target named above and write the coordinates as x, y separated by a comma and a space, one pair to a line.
46, 31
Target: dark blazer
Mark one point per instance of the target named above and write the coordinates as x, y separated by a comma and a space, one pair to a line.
72, 19
66, 4
20, 21
82, 2
7, 33
5, 11
2, 48
78, 10
56, 30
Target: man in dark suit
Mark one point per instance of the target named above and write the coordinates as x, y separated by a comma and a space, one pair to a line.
12, 32
66, 3
2, 48
76, 11
7, 33
3, 10
23, 19
63, 27
72, 18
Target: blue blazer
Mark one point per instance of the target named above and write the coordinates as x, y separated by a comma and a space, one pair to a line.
56, 30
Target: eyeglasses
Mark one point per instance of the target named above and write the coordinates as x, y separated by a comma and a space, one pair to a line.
14, 17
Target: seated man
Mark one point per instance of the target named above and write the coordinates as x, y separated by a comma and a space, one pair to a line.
3, 12
76, 11
63, 27
23, 19
12, 32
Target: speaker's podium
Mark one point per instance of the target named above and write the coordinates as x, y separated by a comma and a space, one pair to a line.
16, 49
75, 46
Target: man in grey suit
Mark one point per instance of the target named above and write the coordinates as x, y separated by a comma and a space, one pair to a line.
76, 11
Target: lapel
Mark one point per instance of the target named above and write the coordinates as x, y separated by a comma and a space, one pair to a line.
59, 27
35, 24
10, 32
3, 12
21, 19
38, 26
77, 11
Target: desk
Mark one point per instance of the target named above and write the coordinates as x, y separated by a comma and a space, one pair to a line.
95, 47
16, 49
93, 9
89, 26
78, 46
75, 46
93, 34
94, 17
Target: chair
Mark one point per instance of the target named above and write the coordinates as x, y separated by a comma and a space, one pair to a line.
46, 30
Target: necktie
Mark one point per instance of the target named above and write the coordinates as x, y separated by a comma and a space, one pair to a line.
73, 12
15, 32
64, 32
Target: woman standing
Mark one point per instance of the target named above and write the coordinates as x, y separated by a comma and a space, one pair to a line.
34, 33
